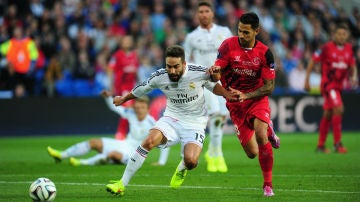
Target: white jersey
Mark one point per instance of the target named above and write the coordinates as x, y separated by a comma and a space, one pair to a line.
201, 45
138, 130
184, 99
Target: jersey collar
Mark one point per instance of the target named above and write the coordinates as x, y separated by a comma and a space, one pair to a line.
206, 30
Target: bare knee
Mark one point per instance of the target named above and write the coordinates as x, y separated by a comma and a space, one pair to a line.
190, 162
252, 154
251, 151
96, 144
115, 156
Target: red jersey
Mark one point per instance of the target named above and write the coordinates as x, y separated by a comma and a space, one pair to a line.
243, 68
335, 64
124, 66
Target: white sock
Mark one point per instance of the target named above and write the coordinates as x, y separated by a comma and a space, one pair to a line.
215, 133
134, 163
164, 154
97, 159
78, 149
181, 165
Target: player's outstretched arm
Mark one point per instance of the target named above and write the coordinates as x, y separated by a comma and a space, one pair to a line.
266, 89
105, 93
119, 100
220, 90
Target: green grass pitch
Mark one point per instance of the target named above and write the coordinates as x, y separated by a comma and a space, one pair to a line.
299, 173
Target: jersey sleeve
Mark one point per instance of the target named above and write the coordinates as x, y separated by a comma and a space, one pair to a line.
147, 85
268, 71
223, 55
316, 56
122, 111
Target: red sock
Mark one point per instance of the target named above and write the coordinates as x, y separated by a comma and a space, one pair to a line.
323, 131
336, 125
122, 129
266, 160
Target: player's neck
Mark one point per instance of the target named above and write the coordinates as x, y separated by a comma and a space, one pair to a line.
207, 27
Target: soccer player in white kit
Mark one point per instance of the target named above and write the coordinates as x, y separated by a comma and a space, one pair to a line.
201, 47
111, 150
183, 121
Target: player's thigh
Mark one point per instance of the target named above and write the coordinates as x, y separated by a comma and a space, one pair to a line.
96, 144
155, 138
110, 144
168, 128
333, 102
260, 128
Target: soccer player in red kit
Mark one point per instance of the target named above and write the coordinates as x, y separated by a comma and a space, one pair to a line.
337, 63
123, 67
246, 66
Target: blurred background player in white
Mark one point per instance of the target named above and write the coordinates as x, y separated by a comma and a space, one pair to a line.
201, 48
112, 150
184, 120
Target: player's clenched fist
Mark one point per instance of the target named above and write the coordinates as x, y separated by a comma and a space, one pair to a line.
118, 100
214, 72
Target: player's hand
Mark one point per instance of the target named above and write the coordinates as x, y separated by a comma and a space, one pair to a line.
240, 95
118, 100
105, 93
214, 72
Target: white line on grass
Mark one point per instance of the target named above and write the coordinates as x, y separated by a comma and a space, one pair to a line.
204, 175
192, 187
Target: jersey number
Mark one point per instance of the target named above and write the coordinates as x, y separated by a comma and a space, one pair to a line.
200, 138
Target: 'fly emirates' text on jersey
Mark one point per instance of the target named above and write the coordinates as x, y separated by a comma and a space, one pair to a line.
202, 44
335, 64
185, 98
244, 68
138, 130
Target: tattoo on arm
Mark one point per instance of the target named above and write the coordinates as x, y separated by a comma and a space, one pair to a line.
264, 90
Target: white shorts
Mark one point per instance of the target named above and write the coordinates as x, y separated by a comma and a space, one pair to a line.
175, 132
110, 145
215, 104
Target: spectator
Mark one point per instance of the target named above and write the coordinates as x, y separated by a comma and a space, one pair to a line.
297, 78
21, 54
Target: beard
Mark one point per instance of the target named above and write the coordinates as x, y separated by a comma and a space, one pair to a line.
174, 77
244, 44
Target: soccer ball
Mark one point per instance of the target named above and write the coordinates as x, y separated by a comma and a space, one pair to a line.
42, 189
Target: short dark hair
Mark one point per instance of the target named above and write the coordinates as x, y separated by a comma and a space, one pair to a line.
205, 3
250, 18
342, 26
175, 51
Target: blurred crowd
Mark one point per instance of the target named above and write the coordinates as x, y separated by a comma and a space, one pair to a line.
68, 45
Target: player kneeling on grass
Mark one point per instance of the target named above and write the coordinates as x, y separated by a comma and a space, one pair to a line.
112, 150
184, 119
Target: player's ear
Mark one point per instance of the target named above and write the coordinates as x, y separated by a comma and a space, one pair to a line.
257, 31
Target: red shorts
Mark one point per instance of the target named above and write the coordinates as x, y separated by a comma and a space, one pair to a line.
332, 99
243, 114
